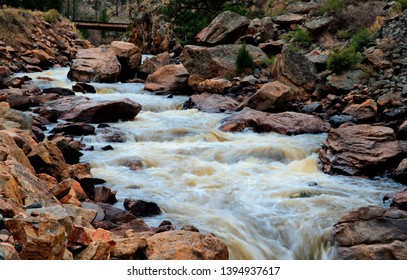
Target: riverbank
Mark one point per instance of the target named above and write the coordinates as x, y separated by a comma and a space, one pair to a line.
363, 121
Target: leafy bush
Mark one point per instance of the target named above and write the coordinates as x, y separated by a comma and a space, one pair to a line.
403, 3
344, 59
301, 37
332, 6
362, 38
343, 34
51, 16
244, 60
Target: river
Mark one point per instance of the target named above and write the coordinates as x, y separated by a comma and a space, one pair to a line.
262, 194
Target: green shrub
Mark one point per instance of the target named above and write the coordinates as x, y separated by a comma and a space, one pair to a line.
343, 35
344, 59
51, 16
301, 37
362, 38
403, 3
244, 60
332, 6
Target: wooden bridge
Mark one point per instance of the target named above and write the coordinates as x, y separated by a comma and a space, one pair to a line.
107, 26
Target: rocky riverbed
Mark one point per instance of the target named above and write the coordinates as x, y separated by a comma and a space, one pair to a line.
50, 199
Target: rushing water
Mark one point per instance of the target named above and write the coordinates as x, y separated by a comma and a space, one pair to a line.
262, 194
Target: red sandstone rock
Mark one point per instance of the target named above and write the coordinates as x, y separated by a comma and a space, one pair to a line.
169, 79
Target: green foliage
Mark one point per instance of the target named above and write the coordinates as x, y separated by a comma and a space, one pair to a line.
343, 34
244, 60
344, 59
189, 17
42, 5
52, 16
332, 6
402, 3
301, 37
362, 38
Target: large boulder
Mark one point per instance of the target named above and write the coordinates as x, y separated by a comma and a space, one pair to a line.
372, 233
273, 97
40, 238
129, 57
95, 65
211, 103
294, 69
81, 109
152, 64
169, 79
226, 28
289, 123
359, 150
205, 63
185, 245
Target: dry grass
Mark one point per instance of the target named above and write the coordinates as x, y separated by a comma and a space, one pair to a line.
328, 41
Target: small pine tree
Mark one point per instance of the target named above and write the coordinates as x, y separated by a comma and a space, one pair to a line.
244, 60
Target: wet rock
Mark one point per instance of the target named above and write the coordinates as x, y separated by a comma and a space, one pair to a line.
116, 215
204, 63
169, 79
133, 164
152, 64
185, 245
107, 148
273, 97
359, 150
226, 28
84, 88
211, 103
129, 56
59, 91
400, 174
288, 123
74, 129
95, 65
69, 149
105, 195
40, 238
294, 69
140, 208
80, 109
371, 233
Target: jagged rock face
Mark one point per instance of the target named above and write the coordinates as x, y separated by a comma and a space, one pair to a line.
151, 33
205, 63
226, 28
359, 150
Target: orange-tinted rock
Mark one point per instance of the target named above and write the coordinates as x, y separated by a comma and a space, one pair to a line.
289, 123
216, 85
152, 64
400, 198
95, 65
129, 57
169, 79
359, 150
126, 248
363, 113
8, 252
273, 97
185, 245
40, 239
96, 250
